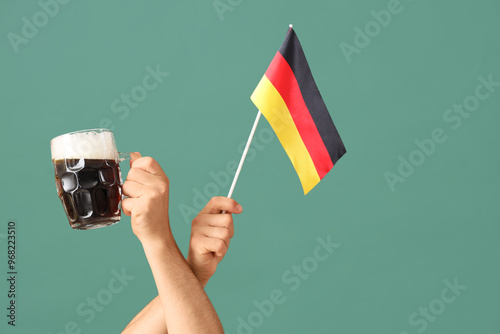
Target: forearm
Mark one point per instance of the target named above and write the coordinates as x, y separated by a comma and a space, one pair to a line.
150, 320
185, 305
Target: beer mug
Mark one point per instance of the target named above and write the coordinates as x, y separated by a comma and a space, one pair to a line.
88, 178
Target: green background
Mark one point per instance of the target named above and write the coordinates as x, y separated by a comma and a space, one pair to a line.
397, 247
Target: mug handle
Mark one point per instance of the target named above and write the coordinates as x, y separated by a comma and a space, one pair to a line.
123, 156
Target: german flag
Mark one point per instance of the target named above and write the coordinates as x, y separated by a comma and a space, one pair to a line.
290, 100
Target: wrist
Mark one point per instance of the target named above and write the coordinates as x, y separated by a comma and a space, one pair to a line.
158, 240
201, 278
203, 282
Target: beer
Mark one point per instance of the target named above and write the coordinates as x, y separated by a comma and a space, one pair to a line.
89, 190
88, 178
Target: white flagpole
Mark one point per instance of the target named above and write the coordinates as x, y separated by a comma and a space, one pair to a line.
243, 156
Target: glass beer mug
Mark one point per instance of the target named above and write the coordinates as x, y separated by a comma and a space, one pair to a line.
88, 178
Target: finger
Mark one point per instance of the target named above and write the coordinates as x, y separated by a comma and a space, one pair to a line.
219, 204
132, 189
214, 245
213, 232
141, 176
149, 165
127, 206
214, 220
134, 156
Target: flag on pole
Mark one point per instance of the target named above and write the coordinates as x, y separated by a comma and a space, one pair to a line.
290, 100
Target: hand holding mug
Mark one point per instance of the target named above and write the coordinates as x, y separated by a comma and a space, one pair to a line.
147, 188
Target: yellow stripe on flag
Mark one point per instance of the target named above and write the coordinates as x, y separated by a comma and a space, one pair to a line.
272, 106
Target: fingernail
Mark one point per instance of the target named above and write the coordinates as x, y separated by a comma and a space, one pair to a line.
239, 208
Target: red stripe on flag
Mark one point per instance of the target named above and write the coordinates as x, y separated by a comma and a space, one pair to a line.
283, 79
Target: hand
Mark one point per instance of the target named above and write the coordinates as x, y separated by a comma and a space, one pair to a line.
147, 188
211, 232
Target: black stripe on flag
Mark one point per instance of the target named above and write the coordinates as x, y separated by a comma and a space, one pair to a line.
294, 55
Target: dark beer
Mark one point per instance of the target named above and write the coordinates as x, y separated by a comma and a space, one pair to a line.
90, 191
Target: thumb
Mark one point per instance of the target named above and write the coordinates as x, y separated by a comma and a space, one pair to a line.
134, 156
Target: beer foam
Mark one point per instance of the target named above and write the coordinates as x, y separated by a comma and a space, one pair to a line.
87, 144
